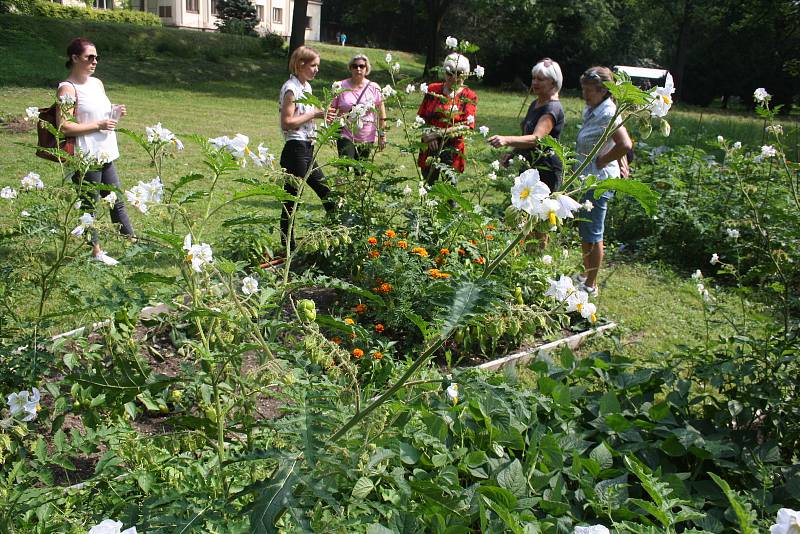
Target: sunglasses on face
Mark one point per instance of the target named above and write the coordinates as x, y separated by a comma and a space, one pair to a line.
590, 75
358, 66
91, 58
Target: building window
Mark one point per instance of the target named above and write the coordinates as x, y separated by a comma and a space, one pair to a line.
214, 7
104, 4
165, 12
308, 23
192, 6
277, 15
260, 11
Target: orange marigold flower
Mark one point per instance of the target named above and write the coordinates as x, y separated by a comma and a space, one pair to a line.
489, 237
386, 287
377, 355
390, 234
372, 240
436, 273
461, 251
374, 254
480, 260
360, 308
444, 275
420, 251
444, 252
490, 227
337, 340
358, 353
379, 328
402, 244
349, 321
473, 242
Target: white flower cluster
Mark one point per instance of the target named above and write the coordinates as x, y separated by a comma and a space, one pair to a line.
451, 42
563, 290
388, 91
144, 194
7, 193
484, 130
109, 526
26, 402
423, 88
66, 101
197, 255
733, 233
31, 181
31, 113
159, 134
239, 148
774, 129
761, 95
479, 71
357, 113
662, 98
531, 195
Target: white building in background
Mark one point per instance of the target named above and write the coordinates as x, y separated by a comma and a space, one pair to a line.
273, 15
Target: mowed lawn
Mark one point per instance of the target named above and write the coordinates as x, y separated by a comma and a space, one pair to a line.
210, 97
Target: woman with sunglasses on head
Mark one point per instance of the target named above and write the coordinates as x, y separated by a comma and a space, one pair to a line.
358, 100
93, 129
598, 113
299, 132
448, 109
545, 117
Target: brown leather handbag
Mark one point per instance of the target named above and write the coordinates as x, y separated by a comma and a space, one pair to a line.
47, 142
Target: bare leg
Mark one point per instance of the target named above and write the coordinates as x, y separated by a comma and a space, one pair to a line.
592, 258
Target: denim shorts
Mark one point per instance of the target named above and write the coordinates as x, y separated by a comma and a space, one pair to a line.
592, 228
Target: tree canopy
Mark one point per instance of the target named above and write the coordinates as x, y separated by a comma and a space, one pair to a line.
714, 48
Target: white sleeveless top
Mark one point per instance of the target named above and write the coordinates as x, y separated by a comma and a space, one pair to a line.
306, 131
94, 105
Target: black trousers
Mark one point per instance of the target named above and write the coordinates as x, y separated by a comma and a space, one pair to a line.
107, 175
348, 149
297, 158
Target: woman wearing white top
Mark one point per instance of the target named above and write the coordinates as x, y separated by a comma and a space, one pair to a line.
299, 131
93, 131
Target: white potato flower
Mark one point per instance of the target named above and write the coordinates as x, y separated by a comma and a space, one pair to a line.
496, 165
423, 88
761, 95
594, 529
84, 221
662, 98
31, 181
8, 193
560, 289
547, 259
249, 285
720, 139
484, 130
787, 522
410, 88
737, 145
388, 58
396, 68
197, 255
714, 259
31, 113
479, 71
528, 192
451, 42
774, 129
388, 91
768, 151
733, 233
109, 526
697, 275
452, 393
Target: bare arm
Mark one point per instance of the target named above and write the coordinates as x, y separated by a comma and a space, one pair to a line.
381, 125
72, 129
622, 143
290, 121
543, 127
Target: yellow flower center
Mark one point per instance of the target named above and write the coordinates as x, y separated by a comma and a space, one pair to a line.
580, 307
552, 217
525, 193
666, 99
593, 318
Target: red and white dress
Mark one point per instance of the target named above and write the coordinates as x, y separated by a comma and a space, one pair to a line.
442, 111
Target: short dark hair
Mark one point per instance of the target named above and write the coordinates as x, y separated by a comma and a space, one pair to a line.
76, 48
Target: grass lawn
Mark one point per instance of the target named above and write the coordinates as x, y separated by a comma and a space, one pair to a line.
213, 96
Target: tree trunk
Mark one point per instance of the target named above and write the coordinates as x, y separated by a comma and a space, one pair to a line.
298, 37
436, 12
682, 46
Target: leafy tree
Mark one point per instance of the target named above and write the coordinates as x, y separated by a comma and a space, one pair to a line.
237, 16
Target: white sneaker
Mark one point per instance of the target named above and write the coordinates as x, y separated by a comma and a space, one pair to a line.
578, 278
590, 290
105, 258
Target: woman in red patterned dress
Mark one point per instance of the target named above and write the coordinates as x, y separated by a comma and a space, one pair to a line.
448, 109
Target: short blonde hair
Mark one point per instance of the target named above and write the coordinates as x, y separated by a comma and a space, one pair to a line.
359, 55
301, 56
456, 64
549, 69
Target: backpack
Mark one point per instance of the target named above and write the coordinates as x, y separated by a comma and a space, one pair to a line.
47, 142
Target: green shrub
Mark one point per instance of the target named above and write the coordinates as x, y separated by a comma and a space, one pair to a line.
120, 16
272, 42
